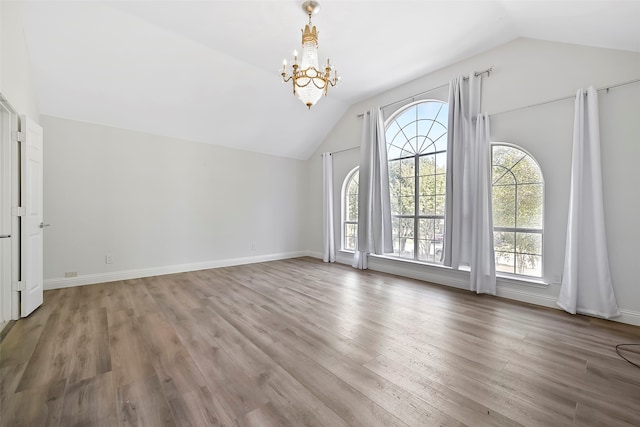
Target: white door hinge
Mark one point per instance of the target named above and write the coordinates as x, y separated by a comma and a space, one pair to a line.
19, 286
19, 211
18, 136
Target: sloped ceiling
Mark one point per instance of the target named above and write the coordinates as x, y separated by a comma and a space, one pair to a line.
208, 71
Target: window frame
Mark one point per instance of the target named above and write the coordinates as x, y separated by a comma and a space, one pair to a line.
516, 229
343, 211
416, 194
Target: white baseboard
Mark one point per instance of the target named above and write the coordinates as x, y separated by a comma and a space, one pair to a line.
528, 297
629, 316
90, 279
460, 280
314, 254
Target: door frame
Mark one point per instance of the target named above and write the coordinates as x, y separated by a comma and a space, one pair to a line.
10, 301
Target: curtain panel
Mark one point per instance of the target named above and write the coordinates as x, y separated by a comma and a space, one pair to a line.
482, 260
586, 282
374, 206
328, 229
468, 239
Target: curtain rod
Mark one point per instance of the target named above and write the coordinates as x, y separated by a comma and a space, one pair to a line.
340, 151
564, 98
488, 72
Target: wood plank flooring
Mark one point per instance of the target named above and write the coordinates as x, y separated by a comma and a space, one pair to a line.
303, 343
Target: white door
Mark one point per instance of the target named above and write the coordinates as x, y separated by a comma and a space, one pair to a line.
31, 225
6, 121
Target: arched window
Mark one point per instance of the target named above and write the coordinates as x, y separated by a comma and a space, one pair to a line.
416, 138
518, 209
350, 211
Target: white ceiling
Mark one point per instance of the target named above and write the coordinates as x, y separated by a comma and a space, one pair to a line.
208, 71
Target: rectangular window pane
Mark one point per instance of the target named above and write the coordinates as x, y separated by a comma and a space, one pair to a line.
530, 265
518, 253
395, 231
427, 165
428, 185
405, 237
425, 234
505, 262
407, 168
427, 205
407, 186
394, 186
504, 241
350, 243
351, 230
350, 236
529, 243
430, 239
394, 170
352, 209
530, 205
440, 205
504, 206
441, 183
407, 205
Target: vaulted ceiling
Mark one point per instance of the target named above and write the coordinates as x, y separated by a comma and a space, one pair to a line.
208, 71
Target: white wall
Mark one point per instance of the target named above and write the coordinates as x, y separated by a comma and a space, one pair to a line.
15, 69
158, 204
526, 72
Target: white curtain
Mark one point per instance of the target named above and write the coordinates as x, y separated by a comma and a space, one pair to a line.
482, 258
374, 206
328, 232
464, 104
468, 214
586, 281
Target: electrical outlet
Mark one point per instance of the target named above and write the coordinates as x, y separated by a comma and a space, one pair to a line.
253, 246
71, 274
108, 258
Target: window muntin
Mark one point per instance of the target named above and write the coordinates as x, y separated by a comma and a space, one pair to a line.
350, 211
518, 206
416, 150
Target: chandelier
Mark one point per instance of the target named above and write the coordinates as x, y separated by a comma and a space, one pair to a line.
309, 81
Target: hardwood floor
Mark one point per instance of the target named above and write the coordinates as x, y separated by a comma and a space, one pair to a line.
303, 343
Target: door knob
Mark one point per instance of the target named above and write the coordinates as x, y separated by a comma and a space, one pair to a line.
43, 225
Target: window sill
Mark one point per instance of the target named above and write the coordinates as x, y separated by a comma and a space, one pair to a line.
412, 261
521, 280
502, 279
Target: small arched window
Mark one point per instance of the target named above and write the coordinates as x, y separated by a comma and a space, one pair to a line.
518, 210
350, 211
